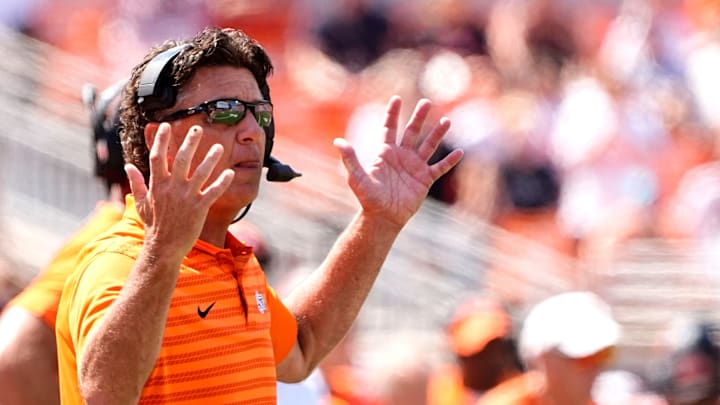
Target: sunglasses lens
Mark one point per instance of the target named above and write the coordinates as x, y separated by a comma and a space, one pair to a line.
230, 112
264, 118
227, 117
227, 112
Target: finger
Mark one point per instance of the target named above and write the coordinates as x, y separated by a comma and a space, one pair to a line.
348, 156
158, 152
205, 168
438, 169
218, 187
432, 141
392, 119
183, 157
137, 182
414, 126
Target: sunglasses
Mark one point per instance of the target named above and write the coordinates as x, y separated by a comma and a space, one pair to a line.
227, 111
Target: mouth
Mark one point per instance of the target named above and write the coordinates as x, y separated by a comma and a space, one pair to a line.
249, 164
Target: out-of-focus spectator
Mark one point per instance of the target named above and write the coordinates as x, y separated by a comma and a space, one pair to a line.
693, 364
456, 25
481, 340
398, 371
622, 387
28, 351
566, 340
356, 35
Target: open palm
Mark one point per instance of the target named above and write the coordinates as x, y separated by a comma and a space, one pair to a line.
396, 184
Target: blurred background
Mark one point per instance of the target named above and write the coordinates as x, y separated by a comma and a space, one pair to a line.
590, 130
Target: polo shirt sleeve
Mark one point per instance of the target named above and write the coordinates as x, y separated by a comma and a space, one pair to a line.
283, 327
96, 288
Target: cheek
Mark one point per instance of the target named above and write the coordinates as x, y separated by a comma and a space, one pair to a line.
202, 152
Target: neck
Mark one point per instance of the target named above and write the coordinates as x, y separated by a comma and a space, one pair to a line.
215, 230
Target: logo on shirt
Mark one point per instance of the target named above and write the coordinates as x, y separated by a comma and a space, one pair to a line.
260, 300
204, 313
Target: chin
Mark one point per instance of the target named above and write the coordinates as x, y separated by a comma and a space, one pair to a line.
241, 194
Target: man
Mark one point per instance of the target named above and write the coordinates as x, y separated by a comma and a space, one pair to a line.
480, 336
170, 307
28, 360
566, 340
693, 364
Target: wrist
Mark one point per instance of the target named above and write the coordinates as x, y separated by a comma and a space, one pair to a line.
160, 259
378, 225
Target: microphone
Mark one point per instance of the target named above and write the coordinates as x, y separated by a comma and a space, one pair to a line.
278, 171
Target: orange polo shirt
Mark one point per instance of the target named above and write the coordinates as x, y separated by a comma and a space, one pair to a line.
42, 296
225, 332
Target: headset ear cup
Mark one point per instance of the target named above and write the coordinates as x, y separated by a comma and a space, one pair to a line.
107, 148
155, 90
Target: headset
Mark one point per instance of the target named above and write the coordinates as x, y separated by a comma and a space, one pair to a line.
156, 92
105, 129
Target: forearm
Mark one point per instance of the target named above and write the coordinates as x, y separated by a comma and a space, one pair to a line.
327, 303
122, 349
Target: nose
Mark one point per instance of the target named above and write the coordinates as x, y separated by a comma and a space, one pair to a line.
249, 131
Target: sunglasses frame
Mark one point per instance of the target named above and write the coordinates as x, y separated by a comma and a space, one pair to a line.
211, 109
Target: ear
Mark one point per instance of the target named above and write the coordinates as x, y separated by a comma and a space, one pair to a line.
150, 131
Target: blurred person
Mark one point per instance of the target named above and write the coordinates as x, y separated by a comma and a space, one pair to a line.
213, 330
28, 359
693, 364
527, 194
480, 336
399, 373
456, 25
623, 387
355, 35
566, 340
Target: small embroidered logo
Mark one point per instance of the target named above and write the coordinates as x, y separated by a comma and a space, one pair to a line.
260, 299
204, 313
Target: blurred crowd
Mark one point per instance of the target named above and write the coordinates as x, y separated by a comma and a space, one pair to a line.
585, 124
582, 120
